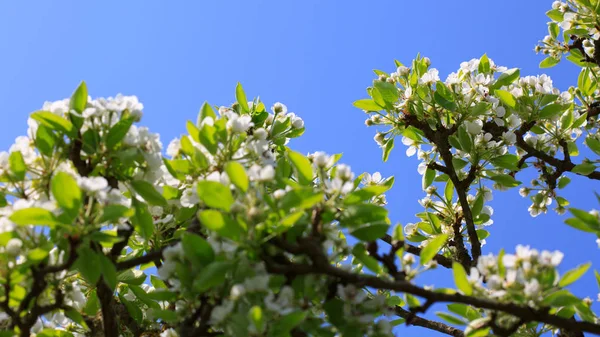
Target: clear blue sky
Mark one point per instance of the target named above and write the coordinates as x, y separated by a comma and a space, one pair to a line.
315, 56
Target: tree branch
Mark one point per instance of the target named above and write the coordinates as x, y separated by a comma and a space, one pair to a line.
440, 259
322, 266
412, 319
136, 261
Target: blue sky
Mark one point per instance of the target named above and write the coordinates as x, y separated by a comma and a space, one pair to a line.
315, 56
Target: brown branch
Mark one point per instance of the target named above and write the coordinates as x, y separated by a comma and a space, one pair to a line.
440, 138
412, 319
322, 266
564, 165
440, 259
136, 261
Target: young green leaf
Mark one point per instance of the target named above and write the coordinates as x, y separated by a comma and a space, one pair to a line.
148, 192
506, 98
117, 132
79, 98
220, 223
389, 145
237, 175
197, 249
215, 195
55, 122
17, 165
142, 219
573, 275
549, 62
303, 167
67, 193
432, 248
460, 279
367, 105
240, 96
34, 216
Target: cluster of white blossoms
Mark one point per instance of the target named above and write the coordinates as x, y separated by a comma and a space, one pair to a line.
252, 237
486, 109
578, 21
527, 275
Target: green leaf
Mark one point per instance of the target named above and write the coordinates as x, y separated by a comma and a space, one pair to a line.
112, 213
87, 263
215, 195
449, 191
367, 105
117, 132
464, 310
197, 250
428, 178
590, 219
255, 315
389, 145
506, 98
17, 165
593, 144
370, 232
450, 318
142, 219
67, 193
301, 198
506, 180
553, 29
465, 139
506, 161
484, 64
205, 111
573, 274
220, 223
237, 175
552, 110
75, 316
584, 169
460, 279
79, 98
442, 101
132, 276
388, 91
360, 214
133, 309
507, 78
563, 181
585, 82
432, 248
212, 275
34, 216
549, 62
38, 254
45, 140
149, 193
92, 304
560, 298
555, 15
581, 225
365, 193
291, 219
303, 167
55, 122
287, 323
109, 271
360, 253
240, 96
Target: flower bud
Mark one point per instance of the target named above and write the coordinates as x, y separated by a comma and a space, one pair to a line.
13, 246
